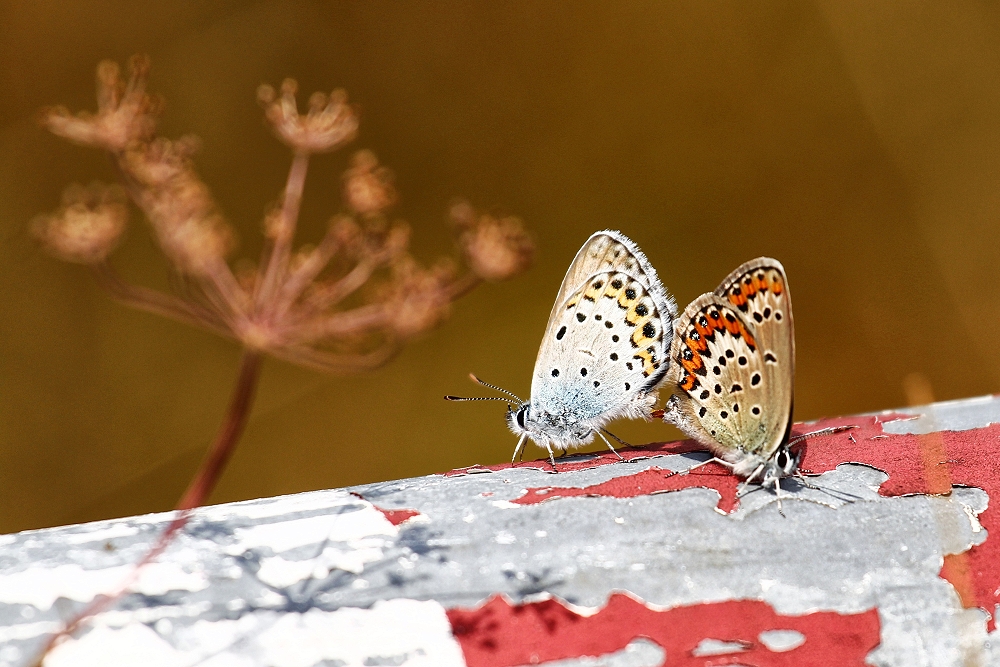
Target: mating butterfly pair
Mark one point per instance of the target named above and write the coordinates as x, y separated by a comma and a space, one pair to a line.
613, 338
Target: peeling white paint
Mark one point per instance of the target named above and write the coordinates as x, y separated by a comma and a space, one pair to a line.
27, 630
780, 641
709, 647
42, 586
407, 633
132, 646
336, 527
109, 533
281, 573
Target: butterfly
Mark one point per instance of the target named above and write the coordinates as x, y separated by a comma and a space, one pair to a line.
604, 351
734, 371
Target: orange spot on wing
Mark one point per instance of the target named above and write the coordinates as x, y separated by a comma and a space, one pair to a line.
777, 286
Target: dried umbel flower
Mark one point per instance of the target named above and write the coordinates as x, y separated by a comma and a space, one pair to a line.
125, 112
345, 304
368, 187
329, 124
496, 249
161, 162
87, 227
419, 297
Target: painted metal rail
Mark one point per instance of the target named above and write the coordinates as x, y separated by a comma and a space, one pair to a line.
889, 561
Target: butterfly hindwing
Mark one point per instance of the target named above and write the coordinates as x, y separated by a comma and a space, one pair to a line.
734, 357
605, 346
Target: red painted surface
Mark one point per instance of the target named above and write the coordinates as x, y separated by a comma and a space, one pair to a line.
588, 460
499, 634
916, 464
649, 481
930, 464
395, 517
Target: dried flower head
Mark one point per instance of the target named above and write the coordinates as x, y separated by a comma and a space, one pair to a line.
125, 112
496, 249
329, 124
368, 187
345, 304
306, 306
160, 162
87, 227
418, 298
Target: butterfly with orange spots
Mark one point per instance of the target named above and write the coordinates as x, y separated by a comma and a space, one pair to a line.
733, 373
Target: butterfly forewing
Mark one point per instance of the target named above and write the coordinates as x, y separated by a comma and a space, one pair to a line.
734, 355
608, 334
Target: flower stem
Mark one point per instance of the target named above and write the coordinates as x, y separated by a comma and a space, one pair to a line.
277, 262
225, 441
197, 492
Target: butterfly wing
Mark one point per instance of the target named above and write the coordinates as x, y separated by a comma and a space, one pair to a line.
605, 346
734, 354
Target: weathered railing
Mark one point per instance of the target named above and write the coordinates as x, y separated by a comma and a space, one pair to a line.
607, 563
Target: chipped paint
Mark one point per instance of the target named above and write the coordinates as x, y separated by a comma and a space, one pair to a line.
40, 587
501, 634
392, 632
328, 577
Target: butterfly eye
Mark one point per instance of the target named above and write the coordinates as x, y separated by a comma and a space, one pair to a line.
520, 416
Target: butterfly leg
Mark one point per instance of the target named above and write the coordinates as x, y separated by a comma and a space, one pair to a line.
601, 435
777, 492
519, 449
552, 457
749, 480
703, 463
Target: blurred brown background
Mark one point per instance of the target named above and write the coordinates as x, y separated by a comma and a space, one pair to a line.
856, 142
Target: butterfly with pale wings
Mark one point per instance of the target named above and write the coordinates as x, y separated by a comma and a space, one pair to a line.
734, 371
604, 352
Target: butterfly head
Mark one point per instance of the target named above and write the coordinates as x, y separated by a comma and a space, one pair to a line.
518, 417
783, 463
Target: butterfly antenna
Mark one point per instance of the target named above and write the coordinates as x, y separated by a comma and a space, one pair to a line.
493, 386
823, 431
619, 440
476, 398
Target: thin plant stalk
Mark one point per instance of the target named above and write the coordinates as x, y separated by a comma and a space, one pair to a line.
292, 305
195, 495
